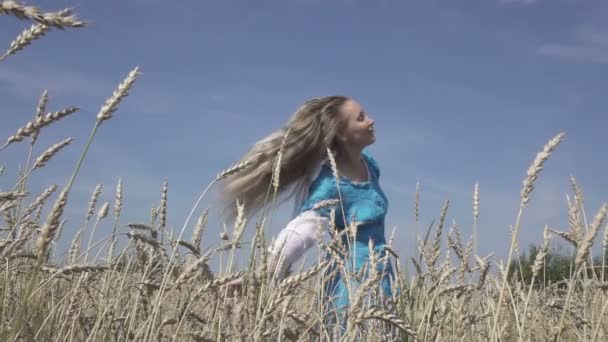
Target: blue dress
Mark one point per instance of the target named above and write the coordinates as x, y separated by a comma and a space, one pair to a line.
366, 203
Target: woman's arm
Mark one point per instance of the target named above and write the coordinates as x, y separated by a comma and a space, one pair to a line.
296, 238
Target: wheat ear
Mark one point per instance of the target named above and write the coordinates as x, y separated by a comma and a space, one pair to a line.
25, 38
60, 19
50, 152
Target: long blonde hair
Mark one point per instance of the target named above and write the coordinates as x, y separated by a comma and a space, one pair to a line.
304, 141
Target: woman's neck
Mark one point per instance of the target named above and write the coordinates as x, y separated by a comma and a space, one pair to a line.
350, 164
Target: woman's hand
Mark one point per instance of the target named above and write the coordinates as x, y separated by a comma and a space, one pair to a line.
235, 288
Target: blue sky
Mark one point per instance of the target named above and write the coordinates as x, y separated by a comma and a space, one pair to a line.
461, 91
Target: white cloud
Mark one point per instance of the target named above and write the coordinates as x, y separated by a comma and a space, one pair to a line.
590, 45
27, 81
577, 53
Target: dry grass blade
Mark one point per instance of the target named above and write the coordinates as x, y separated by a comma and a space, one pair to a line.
25, 38
168, 321
50, 152
34, 126
111, 105
60, 20
51, 225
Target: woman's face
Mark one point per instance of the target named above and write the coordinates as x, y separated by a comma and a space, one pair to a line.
358, 128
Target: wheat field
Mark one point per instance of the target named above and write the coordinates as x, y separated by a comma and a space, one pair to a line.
159, 286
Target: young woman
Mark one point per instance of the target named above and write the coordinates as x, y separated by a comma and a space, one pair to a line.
341, 125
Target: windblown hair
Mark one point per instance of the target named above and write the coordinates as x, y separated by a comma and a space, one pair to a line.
305, 139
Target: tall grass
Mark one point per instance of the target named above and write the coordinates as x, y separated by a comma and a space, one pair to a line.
160, 287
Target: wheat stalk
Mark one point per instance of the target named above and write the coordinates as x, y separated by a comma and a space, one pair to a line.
193, 269
539, 260
117, 210
325, 203
72, 269
162, 210
74, 248
539, 263
417, 203
60, 20
277, 168
587, 241
103, 211
475, 215
484, 267
93, 201
39, 200
50, 152
377, 313
236, 169
537, 166
111, 105
436, 248
147, 240
195, 250
528, 186
118, 199
52, 223
25, 38
575, 223
12, 195
144, 227
197, 234
34, 126
40, 109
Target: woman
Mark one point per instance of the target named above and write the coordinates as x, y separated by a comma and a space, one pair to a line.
333, 123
